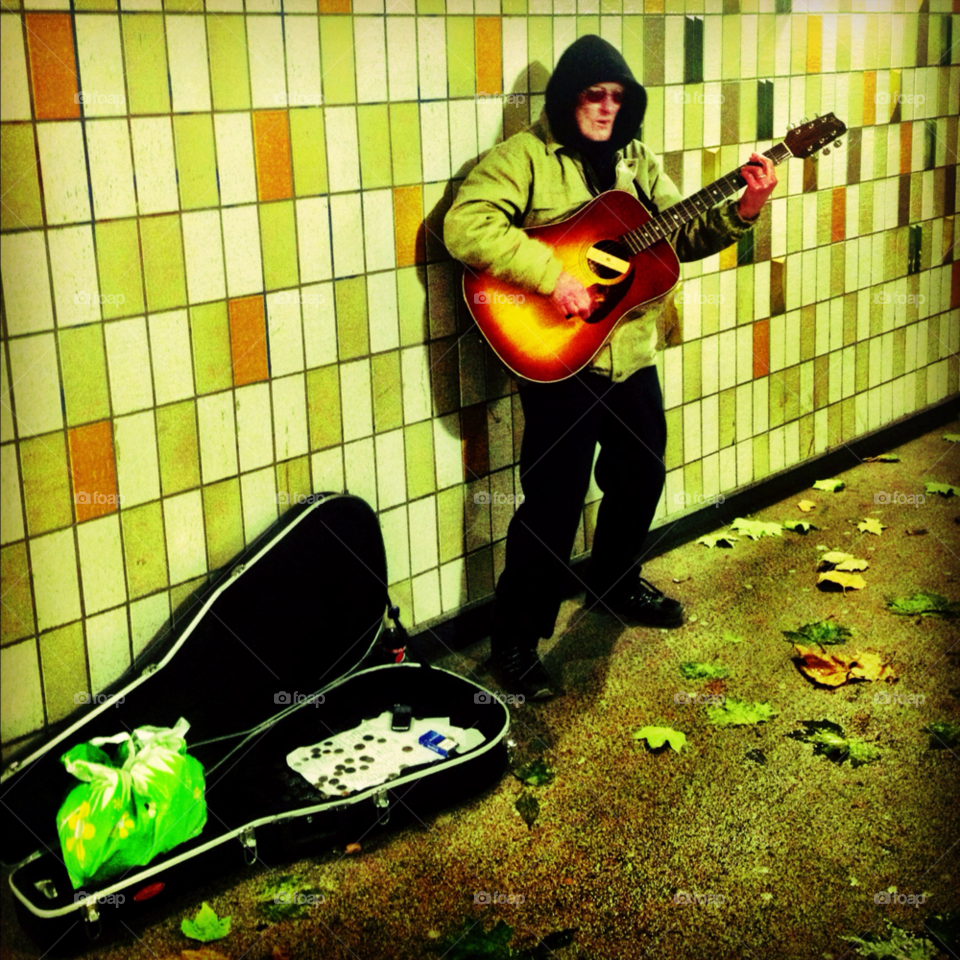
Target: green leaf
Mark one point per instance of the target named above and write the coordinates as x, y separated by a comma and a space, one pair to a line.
729, 637
945, 733
828, 740
473, 942
944, 489
528, 807
755, 529
703, 671
924, 605
206, 925
882, 458
832, 486
288, 897
800, 526
536, 773
656, 737
820, 631
899, 945
726, 540
738, 713
952, 437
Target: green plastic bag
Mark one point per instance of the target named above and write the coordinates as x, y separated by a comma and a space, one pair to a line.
130, 809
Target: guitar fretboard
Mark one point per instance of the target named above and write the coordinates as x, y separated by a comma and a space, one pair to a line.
667, 221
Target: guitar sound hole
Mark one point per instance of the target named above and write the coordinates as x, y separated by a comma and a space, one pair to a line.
608, 271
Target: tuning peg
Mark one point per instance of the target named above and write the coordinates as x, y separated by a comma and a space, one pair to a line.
838, 144
791, 126
816, 116
803, 120
826, 151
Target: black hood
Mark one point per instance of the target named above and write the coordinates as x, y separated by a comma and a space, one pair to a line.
585, 62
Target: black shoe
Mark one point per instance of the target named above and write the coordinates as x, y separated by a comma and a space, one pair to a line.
519, 670
645, 605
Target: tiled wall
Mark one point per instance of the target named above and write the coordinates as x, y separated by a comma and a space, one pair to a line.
223, 283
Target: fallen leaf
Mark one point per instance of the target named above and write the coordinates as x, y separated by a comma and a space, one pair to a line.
528, 807
828, 740
844, 562
944, 489
871, 525
915, 531
730, 637
832, 486
925, 605
738, 713
799, 526
656, 737
278, 953
820, 632
846, 581
835, 670
807, 505
883, 458
536, 773
206, 925
944, 733
952, 437
755, 529
703, 671
352, 848
204, 953
718, 540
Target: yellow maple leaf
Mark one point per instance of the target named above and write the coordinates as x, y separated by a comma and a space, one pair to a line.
807, 505
871, 525
846, 581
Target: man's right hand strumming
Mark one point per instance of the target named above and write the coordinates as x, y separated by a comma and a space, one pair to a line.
572, 297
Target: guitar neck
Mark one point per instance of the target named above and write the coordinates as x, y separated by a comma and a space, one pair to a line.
667, 222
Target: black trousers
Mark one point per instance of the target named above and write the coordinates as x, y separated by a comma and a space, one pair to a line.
564, 421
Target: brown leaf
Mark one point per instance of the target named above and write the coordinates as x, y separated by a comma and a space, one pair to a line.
204, 953
846, 581
834, 670
352, 848
278, 953
916, 531
807, 505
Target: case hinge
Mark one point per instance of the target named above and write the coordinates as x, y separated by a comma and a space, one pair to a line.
237, 570
249, 840
381, 800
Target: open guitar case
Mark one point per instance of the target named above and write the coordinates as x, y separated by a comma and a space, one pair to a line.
277, 656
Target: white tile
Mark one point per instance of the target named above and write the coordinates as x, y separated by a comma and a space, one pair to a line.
347, 230
453, 584
370, 48
415, 372
203, 254
382, 311
20, 694
14, 89
710, 365
711, 424
290, 416
73, 265
313, 239
463, 136
426, 596
254, 425
728, 353
359, 464
236, 168
268, 82
6, 413
355, 400
691, 432
379, 233
258, 491
391, 469
285, 332
101, 564
319, 325
53, 563
100, 60
423, 534
393, 524
436, 146
108, 648
36, 384
138, 469
241, 236
11, 514
111, 169
761, 405
303, 60
186, 540
401, 67
148, 620
448, 451
155, 164
343, 150
189, 70
326, 468
26, 282
217, 429
432, 55
171, 356
128, 360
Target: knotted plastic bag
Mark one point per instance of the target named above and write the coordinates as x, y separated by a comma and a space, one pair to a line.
130, 809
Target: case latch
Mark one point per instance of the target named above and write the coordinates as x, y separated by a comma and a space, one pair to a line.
381, 800
92, 924
47, 888
249, 840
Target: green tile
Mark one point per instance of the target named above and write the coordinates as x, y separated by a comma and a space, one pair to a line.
765, 109
691, 370
177, 441
540, 51
308, 146
693, 118
163, 262
843, 44
223, 521
418, 441
791, 398
807, 436
351, 302
293, 482
323, 407
513, 7
777, 399
587, 24
480, 574
19, 182
673, 457
824, 217
412, 303
633, 44
813, 94
63, 664
83, 374
16, 611
693, 478
461, 59
866, 208
229, 73
336, 58
428, 7
728, 417
808, 331
450, 523
405, 143
374, 133
693, 50
46, 483
118, 264
766, 51
210, 334
144, 549
849, 319
145, 63
848, 413
899, 351
278, 238
654, 42
387, 392
182, 6
761, 456
196, 160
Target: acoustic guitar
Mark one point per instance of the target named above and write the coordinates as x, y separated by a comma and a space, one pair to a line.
620, 253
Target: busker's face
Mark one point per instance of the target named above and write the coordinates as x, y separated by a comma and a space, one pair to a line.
597, 108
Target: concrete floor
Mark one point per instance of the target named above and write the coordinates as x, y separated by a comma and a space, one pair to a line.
744, 845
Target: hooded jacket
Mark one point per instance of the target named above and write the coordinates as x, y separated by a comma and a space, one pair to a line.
534, 178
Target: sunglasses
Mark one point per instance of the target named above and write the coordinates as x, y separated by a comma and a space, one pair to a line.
598, 95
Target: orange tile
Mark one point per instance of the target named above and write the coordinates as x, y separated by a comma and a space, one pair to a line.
248, 340
906, 146
473, 433
408, 225
335, 6
838, 221
489, 55
761, 348
869, 98
53, 67
814, 43
93, 470
271, 138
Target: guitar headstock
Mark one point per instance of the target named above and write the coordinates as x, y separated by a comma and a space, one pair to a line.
806, 139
